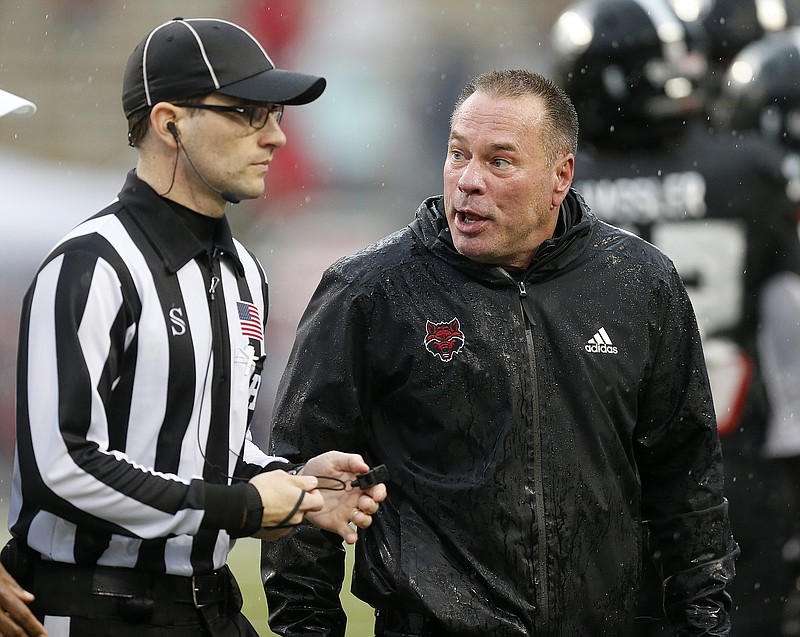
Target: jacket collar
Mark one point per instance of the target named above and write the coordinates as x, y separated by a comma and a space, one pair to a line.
553, 255
172, 240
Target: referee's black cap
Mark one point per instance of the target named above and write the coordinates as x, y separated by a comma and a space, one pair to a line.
190, 57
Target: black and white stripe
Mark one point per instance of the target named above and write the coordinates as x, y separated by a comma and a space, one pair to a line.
135, 391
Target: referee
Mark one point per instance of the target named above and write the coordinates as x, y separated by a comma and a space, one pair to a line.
140, 356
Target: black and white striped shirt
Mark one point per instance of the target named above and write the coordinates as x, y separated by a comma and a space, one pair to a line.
139, 363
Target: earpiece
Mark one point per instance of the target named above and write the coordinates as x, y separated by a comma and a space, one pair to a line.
225, 194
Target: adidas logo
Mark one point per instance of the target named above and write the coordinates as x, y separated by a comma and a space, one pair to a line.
601, 343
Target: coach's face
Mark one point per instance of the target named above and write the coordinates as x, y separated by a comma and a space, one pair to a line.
501, 195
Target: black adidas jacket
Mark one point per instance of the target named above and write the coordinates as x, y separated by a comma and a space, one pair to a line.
529, 426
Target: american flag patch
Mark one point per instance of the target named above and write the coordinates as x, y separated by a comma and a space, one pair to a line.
250, 320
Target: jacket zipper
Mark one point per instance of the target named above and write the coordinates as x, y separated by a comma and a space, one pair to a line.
542, 590
212, 289
216, 311
216, 461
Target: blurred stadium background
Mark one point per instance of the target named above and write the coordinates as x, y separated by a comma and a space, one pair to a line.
358, 161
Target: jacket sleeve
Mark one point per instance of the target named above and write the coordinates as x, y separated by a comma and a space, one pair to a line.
680, 464
319, 403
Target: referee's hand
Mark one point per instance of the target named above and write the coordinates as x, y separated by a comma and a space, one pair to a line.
286, 500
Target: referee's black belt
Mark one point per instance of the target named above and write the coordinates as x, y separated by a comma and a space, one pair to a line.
59, 582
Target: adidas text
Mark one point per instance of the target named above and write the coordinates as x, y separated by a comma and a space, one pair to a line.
604, 349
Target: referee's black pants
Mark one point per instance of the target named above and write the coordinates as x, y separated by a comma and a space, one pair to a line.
98, 601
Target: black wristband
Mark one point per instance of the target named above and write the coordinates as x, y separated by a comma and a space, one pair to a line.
255, 512
284, 524
288, 467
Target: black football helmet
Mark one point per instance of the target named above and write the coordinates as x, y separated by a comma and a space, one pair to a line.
729, 25
629, 69
761, 90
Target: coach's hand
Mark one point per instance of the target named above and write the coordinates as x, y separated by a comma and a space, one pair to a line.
346, 504
16, 618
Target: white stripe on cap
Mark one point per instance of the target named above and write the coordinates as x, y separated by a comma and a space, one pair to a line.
144, 62
249, 35
199, 44
203, 52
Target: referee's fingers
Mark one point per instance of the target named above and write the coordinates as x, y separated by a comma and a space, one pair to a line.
313, 501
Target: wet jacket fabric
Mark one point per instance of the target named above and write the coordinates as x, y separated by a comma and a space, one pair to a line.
718, 205
530, 423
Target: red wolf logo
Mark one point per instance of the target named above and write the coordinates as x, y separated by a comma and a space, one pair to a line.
444, 340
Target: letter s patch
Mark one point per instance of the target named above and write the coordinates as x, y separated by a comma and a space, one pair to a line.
178, 322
